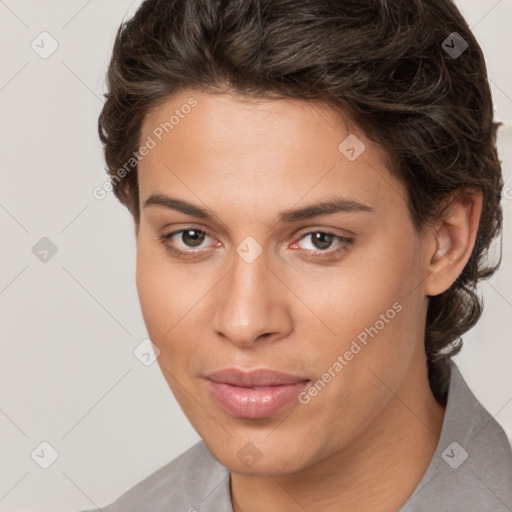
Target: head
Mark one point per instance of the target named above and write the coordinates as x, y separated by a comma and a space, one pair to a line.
249, 111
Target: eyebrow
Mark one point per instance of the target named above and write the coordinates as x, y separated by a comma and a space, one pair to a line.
329, 206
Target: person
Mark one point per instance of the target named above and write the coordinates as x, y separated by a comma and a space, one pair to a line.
315, 186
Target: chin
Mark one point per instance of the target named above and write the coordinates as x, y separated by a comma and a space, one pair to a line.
259, 457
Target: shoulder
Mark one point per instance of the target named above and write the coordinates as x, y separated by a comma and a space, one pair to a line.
181, 484
472, 465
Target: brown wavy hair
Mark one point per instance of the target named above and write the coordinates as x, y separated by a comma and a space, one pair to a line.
380, 61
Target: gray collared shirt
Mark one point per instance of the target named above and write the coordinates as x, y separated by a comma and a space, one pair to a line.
471, 470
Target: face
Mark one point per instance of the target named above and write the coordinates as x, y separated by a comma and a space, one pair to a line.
229, 277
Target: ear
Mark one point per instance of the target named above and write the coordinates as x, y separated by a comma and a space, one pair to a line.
452, 241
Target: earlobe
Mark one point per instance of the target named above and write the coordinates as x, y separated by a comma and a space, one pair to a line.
453, 242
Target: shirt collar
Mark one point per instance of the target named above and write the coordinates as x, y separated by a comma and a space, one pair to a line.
471, 468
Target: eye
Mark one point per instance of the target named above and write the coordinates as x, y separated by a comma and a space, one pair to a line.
321, 241
186, 239
189, 243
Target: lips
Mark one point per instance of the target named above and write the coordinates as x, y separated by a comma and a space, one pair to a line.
255, 394
260, 377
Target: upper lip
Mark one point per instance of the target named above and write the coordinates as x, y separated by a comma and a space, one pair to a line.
258, 377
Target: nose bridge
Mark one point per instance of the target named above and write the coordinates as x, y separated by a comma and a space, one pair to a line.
250, 303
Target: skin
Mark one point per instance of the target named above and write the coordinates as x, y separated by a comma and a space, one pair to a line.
367, 438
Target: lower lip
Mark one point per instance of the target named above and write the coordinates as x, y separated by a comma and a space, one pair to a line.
254, 403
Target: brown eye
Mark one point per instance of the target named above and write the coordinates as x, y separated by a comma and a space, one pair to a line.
321, 243
322, 240
192, 237
181, 243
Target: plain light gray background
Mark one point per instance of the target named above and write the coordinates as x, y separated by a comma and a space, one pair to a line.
68, 375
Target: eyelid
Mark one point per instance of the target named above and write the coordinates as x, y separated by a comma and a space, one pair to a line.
312, 254
301, 234
180, 253
335, 232
174, 232
343, 242
344, 233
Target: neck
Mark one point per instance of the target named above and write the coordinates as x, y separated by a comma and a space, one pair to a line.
378, 471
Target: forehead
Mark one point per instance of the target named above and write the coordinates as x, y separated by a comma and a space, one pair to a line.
261, 153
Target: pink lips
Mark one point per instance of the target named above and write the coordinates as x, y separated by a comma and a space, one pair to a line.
256, 394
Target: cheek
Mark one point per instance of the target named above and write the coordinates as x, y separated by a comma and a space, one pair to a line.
149, 289
172, 309
157, 291
353, 295
371, 312
166, 309
162, 320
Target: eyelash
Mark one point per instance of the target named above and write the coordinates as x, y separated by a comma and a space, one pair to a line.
318, 254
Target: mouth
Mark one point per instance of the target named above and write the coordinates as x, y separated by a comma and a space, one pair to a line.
256, 394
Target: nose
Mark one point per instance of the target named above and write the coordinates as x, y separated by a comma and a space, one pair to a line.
251, 304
